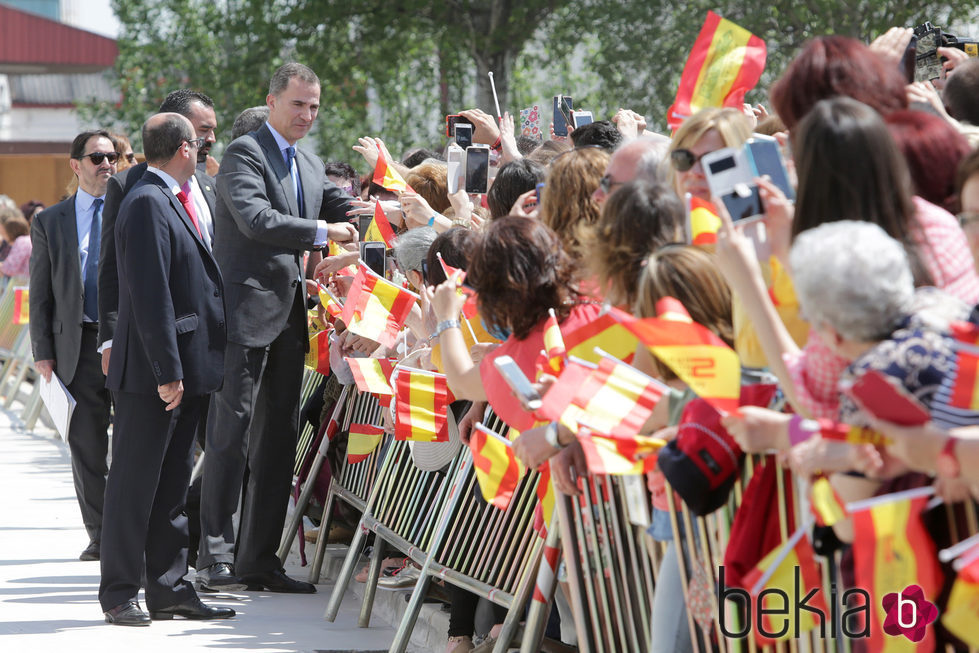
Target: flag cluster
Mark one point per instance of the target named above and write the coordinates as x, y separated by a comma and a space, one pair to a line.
376, 308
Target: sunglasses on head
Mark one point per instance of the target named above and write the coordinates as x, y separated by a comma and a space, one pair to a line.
684, 159
98, 157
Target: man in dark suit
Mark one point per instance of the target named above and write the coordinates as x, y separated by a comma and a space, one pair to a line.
169, 354
64, 318
275, 203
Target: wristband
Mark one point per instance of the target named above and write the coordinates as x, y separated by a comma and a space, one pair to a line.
498, 145
801, 429
445, 325
431, 220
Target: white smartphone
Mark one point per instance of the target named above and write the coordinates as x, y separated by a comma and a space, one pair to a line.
732, 179
581, 118
766, 159
518, 382
455, 158
373, 255
477, 168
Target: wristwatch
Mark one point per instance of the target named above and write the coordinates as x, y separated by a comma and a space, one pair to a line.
550, 436
947, 465
444, 325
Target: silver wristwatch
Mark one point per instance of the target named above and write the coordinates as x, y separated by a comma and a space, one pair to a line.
550, 436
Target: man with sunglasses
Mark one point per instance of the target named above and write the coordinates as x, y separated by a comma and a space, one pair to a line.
170, 341
639, 158
64, 318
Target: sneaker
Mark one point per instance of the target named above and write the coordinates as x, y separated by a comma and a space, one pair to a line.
402, 579
461, 644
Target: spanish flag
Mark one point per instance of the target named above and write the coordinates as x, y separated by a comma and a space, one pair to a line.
617, 399
545, 495
695, 353
557, 404
362, 440
778, 571
619, 456
388, 178
605, 333
423, 399
318, 356
965, 389
469, 309
497, 469
375, 307
334, 249
22, 311
333, 306
704, 222
373, 375
839, 432
553, 354
725, 63
825, 503
892, 551
379, 230
963, 603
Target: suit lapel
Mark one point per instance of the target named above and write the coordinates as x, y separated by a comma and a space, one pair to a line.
207, 187
279, 169
306, 176
68, 228
179, 208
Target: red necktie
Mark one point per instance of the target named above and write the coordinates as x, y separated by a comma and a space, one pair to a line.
188, 204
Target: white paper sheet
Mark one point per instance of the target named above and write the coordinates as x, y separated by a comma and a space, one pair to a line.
59, 402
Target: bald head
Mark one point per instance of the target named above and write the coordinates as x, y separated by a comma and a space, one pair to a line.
639, 158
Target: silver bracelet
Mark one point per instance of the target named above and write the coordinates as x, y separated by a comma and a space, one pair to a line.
445, 325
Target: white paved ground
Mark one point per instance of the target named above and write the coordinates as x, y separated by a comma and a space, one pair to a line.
48, 598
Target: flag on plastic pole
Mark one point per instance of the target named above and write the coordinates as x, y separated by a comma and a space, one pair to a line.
605, 333
963, 603
825, 502
22, 312
497, 469
469, 309
423, 400
725, 62
379, 230
554, 353
332, 305
616, 399
388, 178
619, 456
318, 356
376, 308
704, 221
362, 440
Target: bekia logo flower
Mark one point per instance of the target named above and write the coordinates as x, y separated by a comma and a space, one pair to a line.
908, 613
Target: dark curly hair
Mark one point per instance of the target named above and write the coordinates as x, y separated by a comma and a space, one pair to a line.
519, 271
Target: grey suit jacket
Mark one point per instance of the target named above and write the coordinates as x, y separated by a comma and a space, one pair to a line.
259, 239
118, 187
56, 293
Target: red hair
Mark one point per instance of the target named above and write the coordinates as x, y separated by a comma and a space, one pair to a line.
933, 149
830, 66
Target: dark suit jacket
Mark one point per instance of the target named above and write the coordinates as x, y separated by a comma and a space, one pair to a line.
171, 298
56, 293
118, 187
258, 238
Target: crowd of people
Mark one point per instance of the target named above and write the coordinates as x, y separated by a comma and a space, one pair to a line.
187, 297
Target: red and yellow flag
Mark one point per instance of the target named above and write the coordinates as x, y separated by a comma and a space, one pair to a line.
334, 249
373, 375
545, 494
825, 503
388, 178
965, 389
963, 603
965, 332
557, 404
469, 309
318, 356
779, 570
891, 551
362, 440
332, 305
839, 432
606, 333
725, 62
704, 222
376, 308
22, 311
617, 399
379, 230
423, 399
695, 353
497, 469
619, 456
553, 354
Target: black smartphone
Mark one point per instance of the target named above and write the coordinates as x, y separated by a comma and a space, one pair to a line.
451, 121
364, 224
373, 255
464, 135
477, 168
563, 105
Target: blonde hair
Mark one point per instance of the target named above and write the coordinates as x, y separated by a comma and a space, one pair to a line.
732, 126
430, 180
690, 275
567, 198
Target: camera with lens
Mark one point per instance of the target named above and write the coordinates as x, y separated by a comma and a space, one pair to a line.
921, 60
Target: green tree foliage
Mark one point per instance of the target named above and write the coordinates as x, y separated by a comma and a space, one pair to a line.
394, 68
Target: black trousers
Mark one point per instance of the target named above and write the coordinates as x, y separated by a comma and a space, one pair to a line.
253, 423
88, 437
152, 458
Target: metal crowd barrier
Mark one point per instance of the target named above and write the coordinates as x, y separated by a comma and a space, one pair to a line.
17, 357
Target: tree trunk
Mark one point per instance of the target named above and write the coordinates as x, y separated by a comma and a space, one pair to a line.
499, 64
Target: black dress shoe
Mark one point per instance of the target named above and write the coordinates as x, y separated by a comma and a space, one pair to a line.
127, 614
277, 581
219, 577
91, 552
191, 609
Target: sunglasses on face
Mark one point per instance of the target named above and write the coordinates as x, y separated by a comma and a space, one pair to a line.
130, 157
98, 157
606, 184
683, 159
